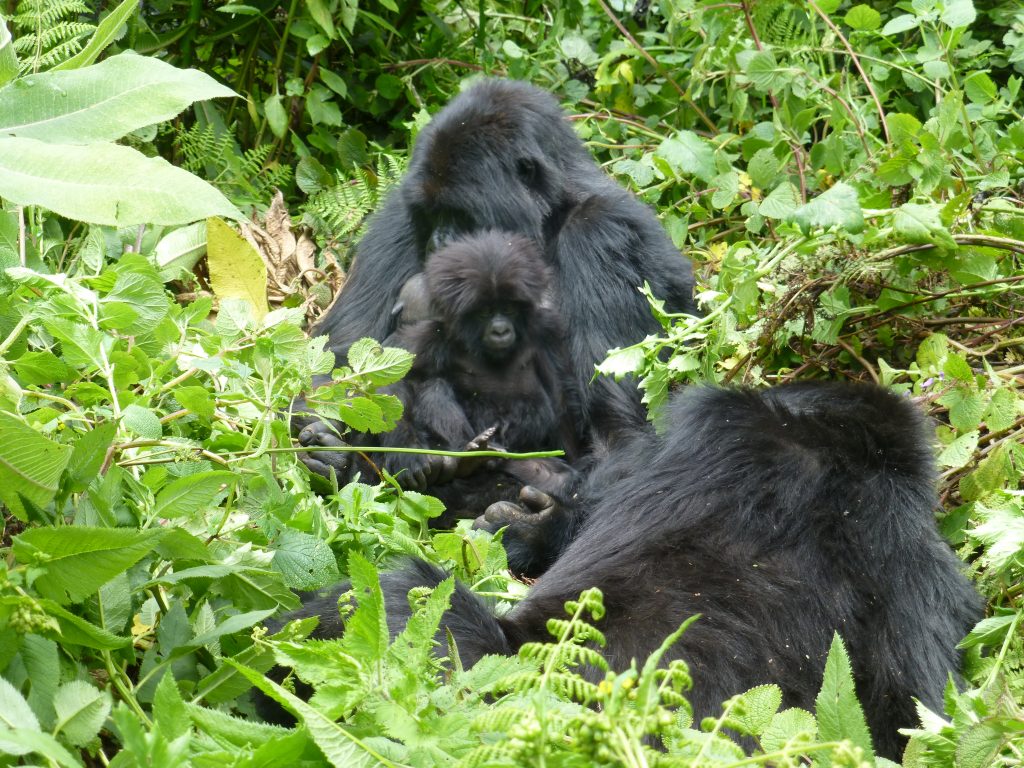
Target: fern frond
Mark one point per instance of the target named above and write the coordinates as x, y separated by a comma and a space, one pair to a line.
500, 719
492, 755
48, 32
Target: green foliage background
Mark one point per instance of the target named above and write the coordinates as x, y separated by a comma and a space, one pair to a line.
847, 178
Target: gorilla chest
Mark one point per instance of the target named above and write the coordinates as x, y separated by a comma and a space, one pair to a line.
513, 398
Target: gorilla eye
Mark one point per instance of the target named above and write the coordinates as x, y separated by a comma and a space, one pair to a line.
529, 172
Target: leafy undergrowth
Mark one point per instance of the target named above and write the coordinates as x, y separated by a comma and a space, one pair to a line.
846, 177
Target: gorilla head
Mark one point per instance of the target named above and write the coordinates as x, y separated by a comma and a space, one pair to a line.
486, 290
498, 157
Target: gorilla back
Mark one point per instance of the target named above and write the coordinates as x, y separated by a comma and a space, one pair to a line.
781, 516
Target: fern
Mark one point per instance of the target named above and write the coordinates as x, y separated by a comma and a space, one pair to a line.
341, 210
48, 32
782, 23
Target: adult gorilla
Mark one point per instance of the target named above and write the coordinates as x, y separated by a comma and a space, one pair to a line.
781, 516
503, 156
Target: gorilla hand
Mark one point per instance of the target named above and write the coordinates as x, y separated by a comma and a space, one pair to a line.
322, 434
419, 471
532, 531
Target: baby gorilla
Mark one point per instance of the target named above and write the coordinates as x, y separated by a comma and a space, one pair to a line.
490, 364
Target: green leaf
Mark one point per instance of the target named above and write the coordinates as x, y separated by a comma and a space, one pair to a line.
180, 250
966, 407
142, 421
75, 630
378, 365
341, 747
106, 33
900, 24
78, 560
236, 270
689, 155
230, 626
366, 630
1002, 410
956, 367
836, 207
103, 102
960, 451
81, 345
305, 561
277, 118
980, 88
991, 631
863, 18
787, 726
170, 715
765, 73
321, 14
30, 465
14, 710
921, 223
88, 454
8, 57
839, 713
727, 187
958, 13
756, 709
781, 203
193, 493
105, 184
81, 711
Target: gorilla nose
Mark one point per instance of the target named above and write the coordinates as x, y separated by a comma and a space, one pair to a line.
501, 334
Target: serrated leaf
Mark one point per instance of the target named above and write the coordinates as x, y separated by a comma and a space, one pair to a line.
75, 630
102, 102
727, 186
765, 73
956, 367
30, 465
81, 345
81, 711
142, 421
688, 155
1002, 410
786, 726
781, 202
341, 748
236, 270
921, 223
14, 710
230, 626
305, 561
622, 362
379, 365
991, 631
78, 560
8, 57
836, 207
105, 184
966, 407
839, 713
757, 707
193, 493
88, 454
960, 451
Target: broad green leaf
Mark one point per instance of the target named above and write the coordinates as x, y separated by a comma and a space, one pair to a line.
966, 407
105, 184
169, 713
960, 451
277, 117
727, 187
836, 207
105, 34
22, 741
980, 88
921, 223
756, 708
958, 13
765, 72
688, 155
863, 17
30, 465
75, 630
14, 710
305, 561
78, 560
787, 726
179, 251
81, 711
321, 14
622, 362
379, 365
88, 454
193, 493
839, 712
781, 202
8, 57
142, 421
991, 631
229, 626
236, 270
102, 102
900, 24
1002, 410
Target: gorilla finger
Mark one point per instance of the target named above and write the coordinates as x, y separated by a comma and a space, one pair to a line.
535, 499
443, 469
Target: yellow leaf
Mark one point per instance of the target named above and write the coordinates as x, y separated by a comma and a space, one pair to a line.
236, 270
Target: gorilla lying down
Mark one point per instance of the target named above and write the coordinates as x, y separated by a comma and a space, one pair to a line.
780, 516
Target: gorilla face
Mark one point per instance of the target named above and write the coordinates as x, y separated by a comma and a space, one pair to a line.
489, 166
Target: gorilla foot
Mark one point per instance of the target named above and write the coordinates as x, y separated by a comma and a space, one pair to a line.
531, 537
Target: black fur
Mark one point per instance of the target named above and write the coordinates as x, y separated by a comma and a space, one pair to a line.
503, 156
781, 516
490, 360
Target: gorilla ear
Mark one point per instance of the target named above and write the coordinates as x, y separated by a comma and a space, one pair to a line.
530, 172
